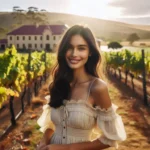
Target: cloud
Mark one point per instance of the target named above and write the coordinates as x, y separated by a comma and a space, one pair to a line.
132, 7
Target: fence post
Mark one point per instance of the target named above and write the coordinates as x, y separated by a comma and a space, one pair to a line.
28, 77
13, 121
144, 79
22, 97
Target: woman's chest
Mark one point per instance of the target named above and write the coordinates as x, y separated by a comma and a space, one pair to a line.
75, 115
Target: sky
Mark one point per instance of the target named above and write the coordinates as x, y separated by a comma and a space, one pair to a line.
130, 11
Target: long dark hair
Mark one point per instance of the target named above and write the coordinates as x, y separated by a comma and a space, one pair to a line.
62, 74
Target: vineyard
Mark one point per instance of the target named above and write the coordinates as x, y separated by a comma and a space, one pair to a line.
21, 74
133, 64
24, 75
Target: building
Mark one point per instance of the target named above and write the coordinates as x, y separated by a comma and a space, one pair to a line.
36, 37
3, 44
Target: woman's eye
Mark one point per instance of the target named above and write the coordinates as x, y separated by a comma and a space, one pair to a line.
81, 48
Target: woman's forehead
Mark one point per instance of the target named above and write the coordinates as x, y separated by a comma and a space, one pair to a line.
78, 40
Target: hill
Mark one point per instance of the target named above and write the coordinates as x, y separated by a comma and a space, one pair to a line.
105, 29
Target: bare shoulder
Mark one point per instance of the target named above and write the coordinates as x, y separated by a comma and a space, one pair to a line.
99, 85
99, 93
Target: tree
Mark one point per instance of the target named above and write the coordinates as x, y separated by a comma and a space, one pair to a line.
133, 37
114, 45
15, 8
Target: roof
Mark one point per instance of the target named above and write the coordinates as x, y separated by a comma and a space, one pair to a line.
34, 30
3, 41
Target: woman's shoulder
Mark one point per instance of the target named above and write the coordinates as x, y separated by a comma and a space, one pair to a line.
99, 92
99, 84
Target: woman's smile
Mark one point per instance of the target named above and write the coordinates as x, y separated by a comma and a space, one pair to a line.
74, 61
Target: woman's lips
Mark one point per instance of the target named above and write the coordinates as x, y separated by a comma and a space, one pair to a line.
74, 61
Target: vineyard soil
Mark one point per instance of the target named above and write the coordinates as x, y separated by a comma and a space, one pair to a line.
134, 115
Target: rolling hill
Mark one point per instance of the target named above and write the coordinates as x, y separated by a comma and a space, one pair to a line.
105, 29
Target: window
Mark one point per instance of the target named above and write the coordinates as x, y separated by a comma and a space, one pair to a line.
47, 46
35, 45
35, 38
54, 37
47, 37
17, 37
41, 38
23, 38
29, 37
10, 37
29, 45
41, 45
18, 46
24, 46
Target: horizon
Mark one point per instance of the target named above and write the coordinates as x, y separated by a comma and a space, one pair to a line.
113, 10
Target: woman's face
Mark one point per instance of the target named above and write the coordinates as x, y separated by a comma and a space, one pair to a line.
77, 53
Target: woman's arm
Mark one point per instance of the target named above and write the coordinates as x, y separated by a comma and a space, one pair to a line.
94, 145
45, 139
47, 135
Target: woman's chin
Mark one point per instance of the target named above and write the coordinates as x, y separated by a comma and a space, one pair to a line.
74, 66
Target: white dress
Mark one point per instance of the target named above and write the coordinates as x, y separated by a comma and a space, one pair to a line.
78, 121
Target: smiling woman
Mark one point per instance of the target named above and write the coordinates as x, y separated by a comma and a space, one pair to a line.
94, 8
79, 104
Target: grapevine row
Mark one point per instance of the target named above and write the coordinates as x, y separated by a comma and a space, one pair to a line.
18, 71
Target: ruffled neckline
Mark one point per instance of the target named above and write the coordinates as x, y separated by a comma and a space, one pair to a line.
97, 108
81, 101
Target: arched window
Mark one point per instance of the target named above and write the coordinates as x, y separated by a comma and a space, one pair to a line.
47, 37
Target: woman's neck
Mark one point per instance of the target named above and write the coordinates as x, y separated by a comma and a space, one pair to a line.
80, 75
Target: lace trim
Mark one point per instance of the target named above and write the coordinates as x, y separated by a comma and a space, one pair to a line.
97, 108
80, 101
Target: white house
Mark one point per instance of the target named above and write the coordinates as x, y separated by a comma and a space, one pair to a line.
36, 37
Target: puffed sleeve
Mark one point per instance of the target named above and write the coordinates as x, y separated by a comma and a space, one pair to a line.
44, 120
111, 125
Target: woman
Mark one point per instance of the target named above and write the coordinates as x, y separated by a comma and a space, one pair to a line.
79, 104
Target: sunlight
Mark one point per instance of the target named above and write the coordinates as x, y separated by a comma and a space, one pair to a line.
94, 8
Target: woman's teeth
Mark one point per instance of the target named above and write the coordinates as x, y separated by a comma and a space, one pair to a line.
74, 61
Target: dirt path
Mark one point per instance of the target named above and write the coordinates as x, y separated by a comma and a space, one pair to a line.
135, 116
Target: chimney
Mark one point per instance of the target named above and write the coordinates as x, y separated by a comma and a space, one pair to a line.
37, 25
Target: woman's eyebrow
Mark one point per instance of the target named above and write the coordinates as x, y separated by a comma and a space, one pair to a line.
82, 45
78, 45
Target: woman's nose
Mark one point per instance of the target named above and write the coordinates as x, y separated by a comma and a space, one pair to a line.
74, 52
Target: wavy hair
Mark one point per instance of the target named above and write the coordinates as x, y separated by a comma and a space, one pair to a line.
62, 74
